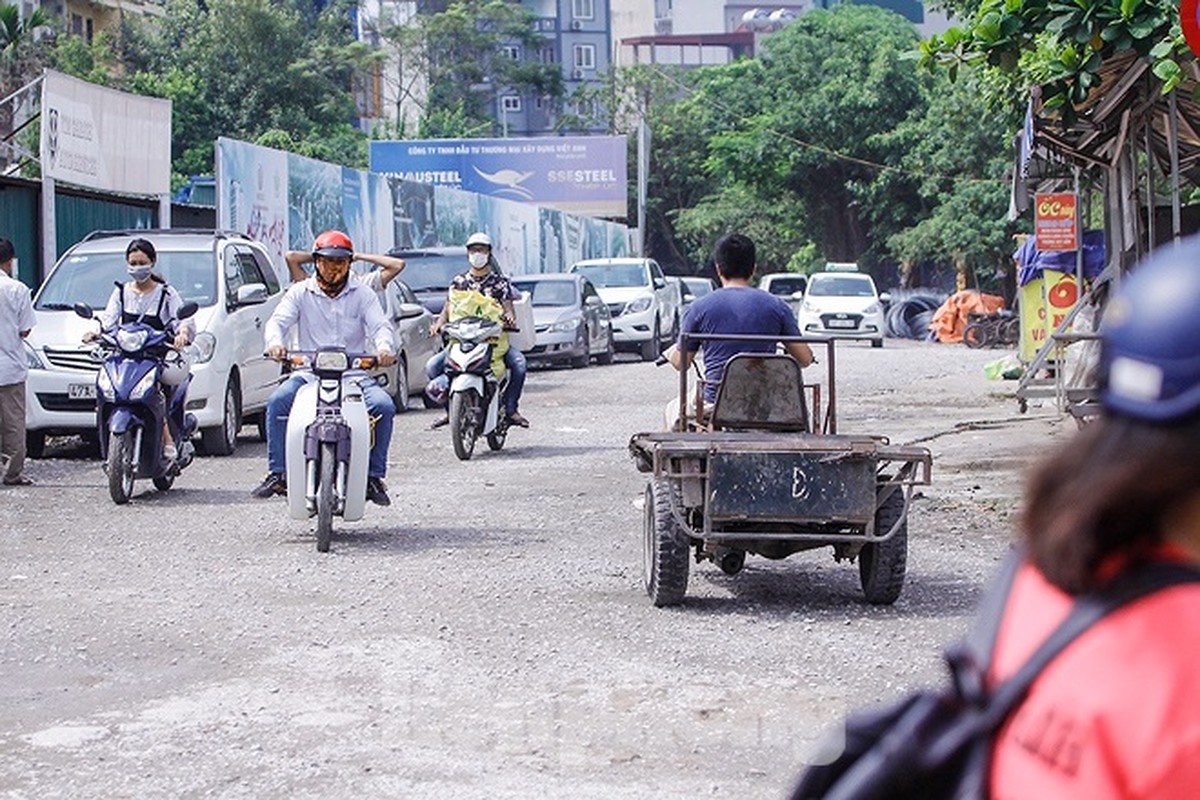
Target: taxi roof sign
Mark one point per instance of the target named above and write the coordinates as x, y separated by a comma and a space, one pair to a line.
841, 266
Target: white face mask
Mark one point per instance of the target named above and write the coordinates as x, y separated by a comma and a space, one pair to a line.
139, 273
478, 260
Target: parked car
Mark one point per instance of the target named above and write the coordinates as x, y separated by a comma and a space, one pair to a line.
572, 322
646, 309
698, 287
843, 305
787, 286
227, 274
428, 272
414, 343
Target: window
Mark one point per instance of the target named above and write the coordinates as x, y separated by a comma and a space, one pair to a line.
585, 108
585, 56
512, 51
583, 9
88, 30
548, 55
510, 103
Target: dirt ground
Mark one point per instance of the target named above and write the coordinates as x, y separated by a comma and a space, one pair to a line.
487, 636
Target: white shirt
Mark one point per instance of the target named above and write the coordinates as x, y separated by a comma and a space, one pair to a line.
348, 320
137, 303
16, 317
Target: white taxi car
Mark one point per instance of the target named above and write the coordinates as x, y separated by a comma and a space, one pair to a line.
843, 305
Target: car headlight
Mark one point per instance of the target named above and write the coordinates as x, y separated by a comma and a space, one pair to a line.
810, 307
640, 304
145, 385
205, 346
104, 384
32, 358
565, 326
874, 308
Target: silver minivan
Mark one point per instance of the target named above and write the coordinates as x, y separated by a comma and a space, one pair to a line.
230, 277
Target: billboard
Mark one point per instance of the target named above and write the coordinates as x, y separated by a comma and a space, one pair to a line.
104, 139
583, 175
284, 200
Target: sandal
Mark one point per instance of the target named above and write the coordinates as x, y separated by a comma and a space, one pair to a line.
17, 480
515, 418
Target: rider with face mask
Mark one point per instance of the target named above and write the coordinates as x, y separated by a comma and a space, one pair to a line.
329, 309
484, 277
146, 297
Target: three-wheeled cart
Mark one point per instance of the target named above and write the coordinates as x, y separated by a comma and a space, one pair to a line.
756, 474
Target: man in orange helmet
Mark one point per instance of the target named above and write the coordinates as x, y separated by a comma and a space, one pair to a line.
329, 309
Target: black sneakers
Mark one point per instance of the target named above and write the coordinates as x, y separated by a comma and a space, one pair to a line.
377, 492
272, 485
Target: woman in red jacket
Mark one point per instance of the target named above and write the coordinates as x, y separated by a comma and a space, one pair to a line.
1117, 713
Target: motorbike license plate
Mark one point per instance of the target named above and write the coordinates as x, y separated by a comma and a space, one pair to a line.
81, 391
842, 323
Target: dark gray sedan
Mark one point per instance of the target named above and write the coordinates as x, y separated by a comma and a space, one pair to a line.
572, 323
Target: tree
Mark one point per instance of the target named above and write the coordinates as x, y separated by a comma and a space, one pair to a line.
460, 54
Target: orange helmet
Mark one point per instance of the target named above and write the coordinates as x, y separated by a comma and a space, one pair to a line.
333, 244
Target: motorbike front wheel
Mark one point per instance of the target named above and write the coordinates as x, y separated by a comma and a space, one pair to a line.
464, 422
326, 495
120, 467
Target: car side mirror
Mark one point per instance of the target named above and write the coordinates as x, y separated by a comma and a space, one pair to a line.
592, 300
83, 310
797, 295
251, 294
885, 298
189, 309
660, 283
409, 310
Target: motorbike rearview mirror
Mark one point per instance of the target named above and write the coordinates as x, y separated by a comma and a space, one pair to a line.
83, 310
188, 309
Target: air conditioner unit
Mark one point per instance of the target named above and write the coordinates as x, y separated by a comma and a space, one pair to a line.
576, 74
576, 25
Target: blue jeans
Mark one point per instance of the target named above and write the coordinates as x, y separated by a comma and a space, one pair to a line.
514, 361
279, 406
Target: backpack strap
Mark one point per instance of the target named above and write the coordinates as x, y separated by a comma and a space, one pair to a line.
1141, 581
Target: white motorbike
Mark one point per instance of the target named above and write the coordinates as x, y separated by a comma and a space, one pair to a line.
476, 394
328, 440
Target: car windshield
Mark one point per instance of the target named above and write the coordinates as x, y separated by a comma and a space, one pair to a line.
787, 286
431, 273
89, 278
549, 293
841, 286
698, 286
607, 276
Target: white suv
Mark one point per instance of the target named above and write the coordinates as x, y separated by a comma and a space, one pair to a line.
646, 308
228, 275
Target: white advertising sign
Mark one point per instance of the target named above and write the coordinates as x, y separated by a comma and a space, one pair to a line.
105, 139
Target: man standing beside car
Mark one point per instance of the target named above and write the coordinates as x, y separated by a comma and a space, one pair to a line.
16, 321
736, 308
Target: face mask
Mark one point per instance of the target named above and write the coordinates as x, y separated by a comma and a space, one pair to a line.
139, 273
478, 260
333, 282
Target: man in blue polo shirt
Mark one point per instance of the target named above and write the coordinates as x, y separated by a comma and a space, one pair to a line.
736, 308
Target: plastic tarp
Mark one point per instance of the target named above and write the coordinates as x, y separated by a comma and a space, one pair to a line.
951, 317
1033, 262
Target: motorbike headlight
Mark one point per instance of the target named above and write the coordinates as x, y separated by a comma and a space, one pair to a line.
32, 358
565, 326
205, 344
132, 341
145, 385
104, 384
640, 304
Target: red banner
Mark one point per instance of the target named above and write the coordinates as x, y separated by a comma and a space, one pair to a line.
1054, 221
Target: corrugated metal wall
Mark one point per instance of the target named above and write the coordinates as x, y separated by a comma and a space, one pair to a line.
76, 216
19, 223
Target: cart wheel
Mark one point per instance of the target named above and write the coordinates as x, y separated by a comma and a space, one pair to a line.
881, 566
665, 547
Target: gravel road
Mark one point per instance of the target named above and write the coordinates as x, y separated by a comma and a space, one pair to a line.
487, 636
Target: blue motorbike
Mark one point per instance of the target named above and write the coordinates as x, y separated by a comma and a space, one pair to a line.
130, 406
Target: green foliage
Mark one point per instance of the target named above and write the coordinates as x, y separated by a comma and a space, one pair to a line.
95, 62
1059, 45
22, 57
